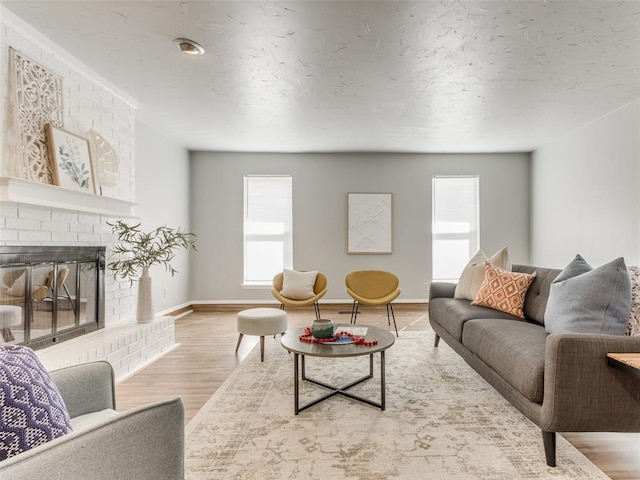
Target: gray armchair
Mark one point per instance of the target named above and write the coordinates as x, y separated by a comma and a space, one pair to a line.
142, 443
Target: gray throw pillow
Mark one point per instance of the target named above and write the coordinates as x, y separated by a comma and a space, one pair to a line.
587, 300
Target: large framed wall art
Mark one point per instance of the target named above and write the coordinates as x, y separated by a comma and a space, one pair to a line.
369, 229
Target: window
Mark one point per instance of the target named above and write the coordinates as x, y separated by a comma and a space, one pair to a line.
455, 229
268, 236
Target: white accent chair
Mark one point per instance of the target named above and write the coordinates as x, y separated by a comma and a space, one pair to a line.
143, 443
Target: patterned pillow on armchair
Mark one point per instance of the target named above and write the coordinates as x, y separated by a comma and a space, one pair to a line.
32, 411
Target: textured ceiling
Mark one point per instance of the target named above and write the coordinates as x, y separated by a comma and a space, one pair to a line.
419, 76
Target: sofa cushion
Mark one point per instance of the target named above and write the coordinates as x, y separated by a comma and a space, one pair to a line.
587, 300
503, 290
32, 411
514, 349
535, 303
452, 313
473, 274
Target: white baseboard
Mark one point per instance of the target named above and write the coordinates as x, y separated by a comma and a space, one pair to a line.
270, 302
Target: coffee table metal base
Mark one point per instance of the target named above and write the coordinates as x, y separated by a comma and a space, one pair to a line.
336, 390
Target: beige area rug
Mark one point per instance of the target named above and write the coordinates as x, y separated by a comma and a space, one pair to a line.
442, 421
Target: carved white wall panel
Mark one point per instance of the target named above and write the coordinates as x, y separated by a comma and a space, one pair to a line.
38, 100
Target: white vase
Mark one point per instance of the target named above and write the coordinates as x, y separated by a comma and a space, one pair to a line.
145, 299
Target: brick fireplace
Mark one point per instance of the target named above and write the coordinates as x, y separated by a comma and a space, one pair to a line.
46, 215
52, 299
49, 217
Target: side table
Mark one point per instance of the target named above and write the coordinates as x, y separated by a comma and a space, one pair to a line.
626, 362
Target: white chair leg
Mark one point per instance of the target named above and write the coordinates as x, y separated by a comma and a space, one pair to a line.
238, 344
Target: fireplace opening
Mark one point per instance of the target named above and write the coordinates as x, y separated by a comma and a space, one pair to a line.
49, 294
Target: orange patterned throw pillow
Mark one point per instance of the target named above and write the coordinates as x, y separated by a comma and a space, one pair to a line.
503, 290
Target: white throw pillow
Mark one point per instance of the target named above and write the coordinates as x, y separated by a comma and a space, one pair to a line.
473, 274
298, 285
17, 289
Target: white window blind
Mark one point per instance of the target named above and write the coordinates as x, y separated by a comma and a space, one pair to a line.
455, 229
268, 235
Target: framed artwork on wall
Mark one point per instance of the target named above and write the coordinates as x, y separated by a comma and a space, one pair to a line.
369, 223
70, 159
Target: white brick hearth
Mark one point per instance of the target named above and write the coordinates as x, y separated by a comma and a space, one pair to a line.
127, 347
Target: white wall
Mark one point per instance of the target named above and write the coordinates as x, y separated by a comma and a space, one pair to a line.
162, 197
586, 193
320, 186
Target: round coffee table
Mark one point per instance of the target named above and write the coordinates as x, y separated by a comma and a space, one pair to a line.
291, 341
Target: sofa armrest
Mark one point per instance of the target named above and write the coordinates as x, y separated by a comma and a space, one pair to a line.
441, 290
145, 443
86, 388
582, 392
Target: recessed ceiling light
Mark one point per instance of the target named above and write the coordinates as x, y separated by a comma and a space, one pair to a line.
189, 46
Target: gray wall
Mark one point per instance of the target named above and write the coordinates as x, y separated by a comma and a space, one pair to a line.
585, 195
320, 186
162, 197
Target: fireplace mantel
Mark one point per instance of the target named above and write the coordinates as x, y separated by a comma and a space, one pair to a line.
24, 191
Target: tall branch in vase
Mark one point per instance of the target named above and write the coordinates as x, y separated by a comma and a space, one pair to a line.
138, 250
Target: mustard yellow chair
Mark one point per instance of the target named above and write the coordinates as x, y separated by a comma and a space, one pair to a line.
373, 288
319, 290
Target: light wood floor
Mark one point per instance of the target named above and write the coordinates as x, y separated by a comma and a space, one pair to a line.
206, 357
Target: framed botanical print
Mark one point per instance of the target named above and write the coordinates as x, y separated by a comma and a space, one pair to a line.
70, 158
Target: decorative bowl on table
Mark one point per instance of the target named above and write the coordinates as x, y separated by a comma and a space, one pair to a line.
322, 328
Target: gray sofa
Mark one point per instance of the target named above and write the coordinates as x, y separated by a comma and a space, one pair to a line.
561, 382
142, 443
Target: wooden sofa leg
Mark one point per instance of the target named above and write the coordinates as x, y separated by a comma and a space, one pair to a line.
436, 341
549, 440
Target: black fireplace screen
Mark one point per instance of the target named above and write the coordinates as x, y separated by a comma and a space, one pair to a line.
50, 294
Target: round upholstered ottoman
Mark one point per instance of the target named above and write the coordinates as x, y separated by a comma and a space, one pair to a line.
261, 322
10, 316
